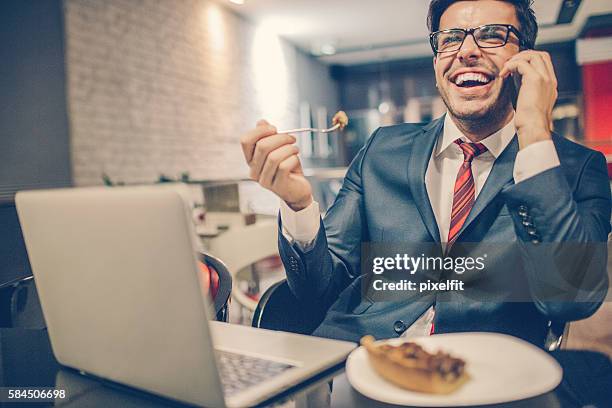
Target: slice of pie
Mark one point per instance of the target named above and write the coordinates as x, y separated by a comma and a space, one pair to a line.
409, 366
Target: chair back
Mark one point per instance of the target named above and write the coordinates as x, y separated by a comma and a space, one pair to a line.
279, 309
222, 299
242, 246
20, 306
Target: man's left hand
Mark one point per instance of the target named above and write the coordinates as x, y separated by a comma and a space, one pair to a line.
536, 96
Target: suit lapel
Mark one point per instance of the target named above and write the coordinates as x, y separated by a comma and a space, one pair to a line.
501, 174
420, 153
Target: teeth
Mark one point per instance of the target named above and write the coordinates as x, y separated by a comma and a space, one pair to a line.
471, 76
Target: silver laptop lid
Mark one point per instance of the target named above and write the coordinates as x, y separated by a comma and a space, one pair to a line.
93, 252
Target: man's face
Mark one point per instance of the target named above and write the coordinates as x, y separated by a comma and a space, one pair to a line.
480, 101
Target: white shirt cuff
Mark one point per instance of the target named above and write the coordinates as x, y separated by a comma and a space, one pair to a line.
535, 159
301, 226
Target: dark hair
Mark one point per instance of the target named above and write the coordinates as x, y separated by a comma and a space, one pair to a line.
524, 14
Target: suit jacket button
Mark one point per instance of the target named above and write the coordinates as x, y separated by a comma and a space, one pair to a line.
399, 327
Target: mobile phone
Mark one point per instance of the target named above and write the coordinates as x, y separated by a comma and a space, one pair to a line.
515, 87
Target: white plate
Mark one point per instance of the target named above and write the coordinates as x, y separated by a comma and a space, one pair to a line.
501, 368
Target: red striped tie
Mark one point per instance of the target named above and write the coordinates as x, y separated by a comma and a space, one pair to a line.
463, 197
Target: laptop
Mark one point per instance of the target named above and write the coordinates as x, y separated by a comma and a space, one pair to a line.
117, 276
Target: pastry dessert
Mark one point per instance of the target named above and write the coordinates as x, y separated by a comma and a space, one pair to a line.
340, 118
409, 366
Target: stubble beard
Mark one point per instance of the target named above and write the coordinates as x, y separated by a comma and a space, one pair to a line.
491, 117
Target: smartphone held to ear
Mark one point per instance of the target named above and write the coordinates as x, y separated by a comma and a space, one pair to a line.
515, 86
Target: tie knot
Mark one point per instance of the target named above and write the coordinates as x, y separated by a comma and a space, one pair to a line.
470, 150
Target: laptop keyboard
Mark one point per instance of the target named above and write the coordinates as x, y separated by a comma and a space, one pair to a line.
239, 372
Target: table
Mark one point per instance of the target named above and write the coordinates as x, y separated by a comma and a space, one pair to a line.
26, 360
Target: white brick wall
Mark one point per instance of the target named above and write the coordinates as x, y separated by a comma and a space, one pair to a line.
167, 86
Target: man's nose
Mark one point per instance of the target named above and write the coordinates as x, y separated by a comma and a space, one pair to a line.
469, 49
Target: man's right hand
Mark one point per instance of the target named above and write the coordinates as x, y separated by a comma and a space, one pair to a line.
274, 163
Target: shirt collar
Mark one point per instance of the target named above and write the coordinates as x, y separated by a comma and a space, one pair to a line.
495, 143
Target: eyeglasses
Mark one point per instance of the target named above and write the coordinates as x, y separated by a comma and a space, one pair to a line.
485, 36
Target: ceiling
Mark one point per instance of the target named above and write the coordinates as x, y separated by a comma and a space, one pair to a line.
363, 31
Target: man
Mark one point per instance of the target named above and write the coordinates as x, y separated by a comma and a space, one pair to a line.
485, 172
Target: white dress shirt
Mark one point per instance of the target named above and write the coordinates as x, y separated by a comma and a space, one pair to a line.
446, 158
444, 164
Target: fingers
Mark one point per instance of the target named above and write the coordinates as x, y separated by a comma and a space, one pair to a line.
250, 139
539, 61
552, 76
550, 68
287, 166
512, 64
263, 148
519, 66
506, 70
273, 162
536, 68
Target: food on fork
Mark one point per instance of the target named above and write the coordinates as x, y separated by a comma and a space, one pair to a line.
340, 118
339, 122
409, 366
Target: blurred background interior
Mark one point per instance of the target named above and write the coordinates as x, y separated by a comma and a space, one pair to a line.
125, 92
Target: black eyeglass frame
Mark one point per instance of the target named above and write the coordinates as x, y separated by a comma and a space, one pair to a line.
470, 31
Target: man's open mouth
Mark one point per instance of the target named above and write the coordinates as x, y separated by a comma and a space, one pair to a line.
471, 79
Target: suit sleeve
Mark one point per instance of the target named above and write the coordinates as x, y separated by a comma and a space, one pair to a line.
563, 232
332, 261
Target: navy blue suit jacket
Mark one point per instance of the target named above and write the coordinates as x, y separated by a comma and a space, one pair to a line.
384, 199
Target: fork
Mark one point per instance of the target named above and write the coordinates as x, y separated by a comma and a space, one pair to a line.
301, 130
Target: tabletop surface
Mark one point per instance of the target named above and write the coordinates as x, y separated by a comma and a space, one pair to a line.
27, 361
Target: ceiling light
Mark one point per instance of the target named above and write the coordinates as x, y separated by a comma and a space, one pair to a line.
237, 1
384, 107
328, 49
